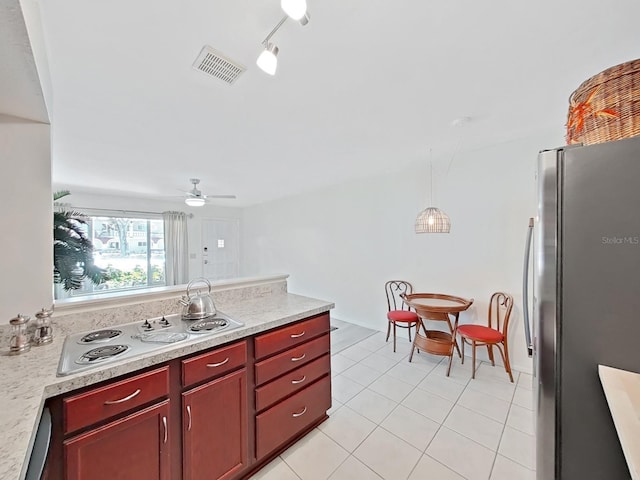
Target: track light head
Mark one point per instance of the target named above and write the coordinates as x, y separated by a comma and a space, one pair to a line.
268, 59
296, 9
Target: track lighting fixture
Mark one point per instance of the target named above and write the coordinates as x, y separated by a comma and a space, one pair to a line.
268, 59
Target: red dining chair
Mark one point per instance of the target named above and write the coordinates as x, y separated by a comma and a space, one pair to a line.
495, 334
399, 313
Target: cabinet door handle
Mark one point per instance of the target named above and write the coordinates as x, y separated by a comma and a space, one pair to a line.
125, 399
296, 415
166, 430
213, 365
297, 335
295, 382
189, 414
297, 359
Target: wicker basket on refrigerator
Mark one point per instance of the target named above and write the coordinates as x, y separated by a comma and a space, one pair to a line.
606, 107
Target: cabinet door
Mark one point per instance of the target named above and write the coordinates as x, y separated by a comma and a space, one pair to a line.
215, 439
136, 446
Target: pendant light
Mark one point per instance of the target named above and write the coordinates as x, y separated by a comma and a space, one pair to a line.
432, 219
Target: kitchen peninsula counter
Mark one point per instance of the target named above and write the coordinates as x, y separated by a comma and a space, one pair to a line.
28, 380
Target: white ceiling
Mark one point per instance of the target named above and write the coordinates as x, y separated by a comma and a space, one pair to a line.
366, 86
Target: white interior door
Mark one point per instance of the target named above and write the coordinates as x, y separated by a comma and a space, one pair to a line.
220, 248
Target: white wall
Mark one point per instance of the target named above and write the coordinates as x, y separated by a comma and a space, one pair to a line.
26, 253
343, 243
85, 200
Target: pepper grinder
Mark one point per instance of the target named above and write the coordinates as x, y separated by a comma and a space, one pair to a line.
44, 331
19, 342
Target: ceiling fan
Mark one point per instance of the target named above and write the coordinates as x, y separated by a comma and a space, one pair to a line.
195, 198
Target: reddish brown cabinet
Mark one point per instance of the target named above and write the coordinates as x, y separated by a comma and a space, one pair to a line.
102, 403
136, 446
219, 414
215, 428
213, 363
293, 380
292, 416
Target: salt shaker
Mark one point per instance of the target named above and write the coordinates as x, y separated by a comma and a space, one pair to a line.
19, 342
44, 331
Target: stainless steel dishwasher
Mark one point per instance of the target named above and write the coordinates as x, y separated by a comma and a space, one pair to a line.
40, 447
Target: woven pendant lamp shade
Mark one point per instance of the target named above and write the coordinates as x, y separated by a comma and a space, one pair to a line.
432, 220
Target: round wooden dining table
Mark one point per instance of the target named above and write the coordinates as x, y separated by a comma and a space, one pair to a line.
438, 307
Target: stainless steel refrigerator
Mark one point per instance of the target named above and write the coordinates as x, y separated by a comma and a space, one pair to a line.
586, 303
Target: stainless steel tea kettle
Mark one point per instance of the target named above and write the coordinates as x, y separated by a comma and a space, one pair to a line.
198, 306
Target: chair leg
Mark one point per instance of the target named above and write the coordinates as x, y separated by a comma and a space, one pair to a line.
394, 337
473, 356
462, 345
388, 330
409, 330
490, 350
507, 363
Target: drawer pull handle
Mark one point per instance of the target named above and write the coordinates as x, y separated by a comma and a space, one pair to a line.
125, 399
295, 382
297, 359
189, 414
213, 365
296, 415
298, 335
166, 430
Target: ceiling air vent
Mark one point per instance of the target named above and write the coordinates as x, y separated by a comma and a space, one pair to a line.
214, 64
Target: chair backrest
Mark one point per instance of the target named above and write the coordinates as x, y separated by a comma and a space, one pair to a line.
394, 289
500, 307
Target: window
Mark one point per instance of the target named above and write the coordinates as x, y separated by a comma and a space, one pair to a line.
220, 243
131, 250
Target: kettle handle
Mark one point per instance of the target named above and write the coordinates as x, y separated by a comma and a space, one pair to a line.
196, 280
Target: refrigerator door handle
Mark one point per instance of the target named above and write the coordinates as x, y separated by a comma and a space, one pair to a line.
525, 289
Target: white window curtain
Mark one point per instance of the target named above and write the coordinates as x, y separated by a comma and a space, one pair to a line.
176, 248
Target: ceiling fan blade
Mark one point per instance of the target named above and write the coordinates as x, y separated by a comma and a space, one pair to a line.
219, 196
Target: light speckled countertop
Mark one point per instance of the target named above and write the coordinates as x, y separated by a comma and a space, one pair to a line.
27, 380
622, 389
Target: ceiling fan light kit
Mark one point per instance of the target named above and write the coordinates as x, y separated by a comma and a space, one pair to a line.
268, 59
194, 202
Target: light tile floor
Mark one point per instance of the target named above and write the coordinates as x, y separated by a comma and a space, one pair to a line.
396, 420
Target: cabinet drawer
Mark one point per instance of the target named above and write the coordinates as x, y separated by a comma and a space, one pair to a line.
293, 381
285, 420
101, 403
213, 363
293, 358
287, 337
